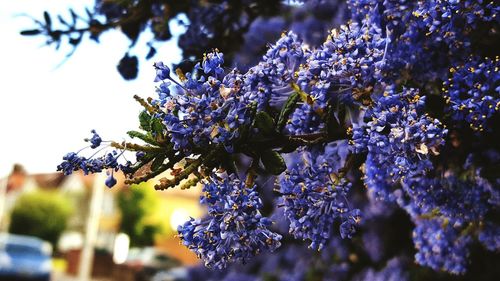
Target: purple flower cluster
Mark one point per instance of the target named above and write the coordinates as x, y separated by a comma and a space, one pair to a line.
473, 92
109, 161
395, 269
441, 245
367, 107
269, 81
459, 200
208, 108
490, 236
314, 198
452, 21
343, 70
234, 229
399, 138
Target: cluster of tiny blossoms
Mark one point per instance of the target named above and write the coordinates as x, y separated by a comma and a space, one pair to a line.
473, 91
399, 139
314, 198
207, 110
374, 90
234, 229
108, 161
441, 245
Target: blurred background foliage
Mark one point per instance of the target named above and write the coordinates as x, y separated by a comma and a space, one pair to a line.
139, 206
43, 214
241, 29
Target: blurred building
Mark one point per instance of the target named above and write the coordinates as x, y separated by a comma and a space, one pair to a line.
175, 207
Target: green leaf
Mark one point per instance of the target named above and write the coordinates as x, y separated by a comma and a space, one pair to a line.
145, 120
158, 162
332, 125
288, 148
48, 20
30, 32
145, 137
156, 127
264, 122
246, 129
342, 114
273, 162
287, 109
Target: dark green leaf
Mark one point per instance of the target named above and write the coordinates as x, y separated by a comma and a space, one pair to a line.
491, 171
332, 125
288, 148
342, 114
48, 20
128, 66
30, 32
287, 110
131, 29
89, 13
145, 137
273, 162
75, 41
156, 127
264, 123
246, 129
145, 120
151, 53
74, 16
158, 162
61, 20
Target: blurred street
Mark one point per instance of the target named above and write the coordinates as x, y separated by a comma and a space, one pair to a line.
60, 276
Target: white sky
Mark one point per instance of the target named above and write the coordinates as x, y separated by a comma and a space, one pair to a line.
47, 112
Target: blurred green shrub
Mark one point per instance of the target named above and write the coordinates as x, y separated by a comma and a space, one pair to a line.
138, 206
43, 214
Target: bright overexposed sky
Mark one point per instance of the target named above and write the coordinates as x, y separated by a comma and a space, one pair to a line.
45, 111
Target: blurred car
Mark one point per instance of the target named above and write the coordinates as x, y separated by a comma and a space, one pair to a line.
147, 261
24, 258
174, 274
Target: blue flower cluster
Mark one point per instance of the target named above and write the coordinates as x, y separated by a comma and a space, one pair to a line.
450, 212
95, 141
310, 22
269, 81
452, 21
234, 229
473, 92
420, 30
346, 66
109, 161
207, 109
460, 200
490, 236
399, 138
314, 198
442, 245
395, 269
343, 70
368, 106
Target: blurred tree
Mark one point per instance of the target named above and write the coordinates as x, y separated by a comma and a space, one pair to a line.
43, 214
209, 24
137, 206
238, 28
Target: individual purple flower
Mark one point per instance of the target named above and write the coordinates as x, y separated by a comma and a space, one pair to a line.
162, 72
95, 141
110, 180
